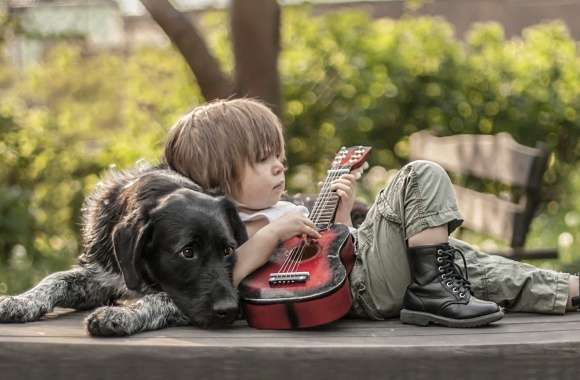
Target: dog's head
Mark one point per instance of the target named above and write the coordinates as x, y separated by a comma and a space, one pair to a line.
185, 244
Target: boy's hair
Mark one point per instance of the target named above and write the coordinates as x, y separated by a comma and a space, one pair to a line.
212, 143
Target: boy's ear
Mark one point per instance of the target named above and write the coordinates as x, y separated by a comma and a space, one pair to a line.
233, 220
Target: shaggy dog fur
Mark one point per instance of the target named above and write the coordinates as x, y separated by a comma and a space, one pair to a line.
148, 234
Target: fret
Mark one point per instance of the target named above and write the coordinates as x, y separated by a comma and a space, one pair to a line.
320, 209
328, 195
338, 171
327, 192
325, 213
325, 217
328, 200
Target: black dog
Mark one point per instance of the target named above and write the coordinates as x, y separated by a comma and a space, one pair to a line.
148, 233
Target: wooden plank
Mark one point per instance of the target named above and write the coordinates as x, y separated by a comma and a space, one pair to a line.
496, 157
553, 361
68, 324
519, 346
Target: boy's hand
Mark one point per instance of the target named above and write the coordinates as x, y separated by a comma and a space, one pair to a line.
345, 187
292, 224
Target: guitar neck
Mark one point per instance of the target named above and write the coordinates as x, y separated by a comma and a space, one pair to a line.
324, 209
327, 202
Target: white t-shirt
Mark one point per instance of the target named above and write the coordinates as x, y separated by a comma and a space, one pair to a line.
276, 211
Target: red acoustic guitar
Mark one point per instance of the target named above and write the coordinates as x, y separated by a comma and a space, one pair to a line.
305, 282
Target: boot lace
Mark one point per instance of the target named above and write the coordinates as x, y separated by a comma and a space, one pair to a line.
451, 273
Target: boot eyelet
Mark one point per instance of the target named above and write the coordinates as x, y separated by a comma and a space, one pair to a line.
440, 269
448, 283
440, 259
461, 295
443, 276
439, 252
454, 290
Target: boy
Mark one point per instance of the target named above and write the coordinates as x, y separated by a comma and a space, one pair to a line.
406, 264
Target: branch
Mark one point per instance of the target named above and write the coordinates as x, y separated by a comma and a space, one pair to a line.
190, 43
256, 40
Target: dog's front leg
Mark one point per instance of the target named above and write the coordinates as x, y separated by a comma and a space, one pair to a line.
151, 312
74, 288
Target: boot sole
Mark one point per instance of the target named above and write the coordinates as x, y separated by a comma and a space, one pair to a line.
423, 319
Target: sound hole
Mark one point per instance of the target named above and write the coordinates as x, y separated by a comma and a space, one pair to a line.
309, 250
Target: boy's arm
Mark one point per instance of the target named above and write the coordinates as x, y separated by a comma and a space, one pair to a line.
253, 254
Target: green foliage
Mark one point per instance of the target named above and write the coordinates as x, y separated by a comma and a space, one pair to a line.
346, 79
62, 124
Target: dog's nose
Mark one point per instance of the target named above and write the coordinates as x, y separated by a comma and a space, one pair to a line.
225, 310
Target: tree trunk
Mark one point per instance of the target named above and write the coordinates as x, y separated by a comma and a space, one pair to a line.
255, 26
185, 36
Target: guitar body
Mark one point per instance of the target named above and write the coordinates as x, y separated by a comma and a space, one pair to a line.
321, 298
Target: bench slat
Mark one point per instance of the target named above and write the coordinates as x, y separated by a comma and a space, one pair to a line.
536, 346
487, 213
496, 157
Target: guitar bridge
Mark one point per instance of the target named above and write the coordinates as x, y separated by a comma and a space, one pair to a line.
288, 278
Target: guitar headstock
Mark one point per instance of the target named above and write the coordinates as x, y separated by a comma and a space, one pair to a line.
351, 157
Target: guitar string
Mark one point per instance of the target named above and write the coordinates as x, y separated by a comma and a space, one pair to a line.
326, 184
299, 254
297, 258
291, 258
290, 261
330, 196
296, 254
330, 199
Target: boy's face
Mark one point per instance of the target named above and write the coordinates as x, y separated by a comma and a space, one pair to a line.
261, 185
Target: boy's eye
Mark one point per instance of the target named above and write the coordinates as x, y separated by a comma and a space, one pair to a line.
264, 159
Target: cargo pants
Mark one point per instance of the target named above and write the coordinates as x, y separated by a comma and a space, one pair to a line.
420, 197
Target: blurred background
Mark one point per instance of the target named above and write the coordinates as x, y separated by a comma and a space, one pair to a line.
90, 85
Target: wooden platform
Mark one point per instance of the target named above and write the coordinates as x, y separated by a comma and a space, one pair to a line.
521, 346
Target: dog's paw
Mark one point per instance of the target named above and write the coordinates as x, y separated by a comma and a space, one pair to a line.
19, 310
111, 321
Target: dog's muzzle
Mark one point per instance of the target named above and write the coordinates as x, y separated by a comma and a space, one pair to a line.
224, 312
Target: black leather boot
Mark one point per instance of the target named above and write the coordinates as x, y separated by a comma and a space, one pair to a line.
441, 294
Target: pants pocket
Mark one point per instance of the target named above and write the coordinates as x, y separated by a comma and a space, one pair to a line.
363, 305
385, 209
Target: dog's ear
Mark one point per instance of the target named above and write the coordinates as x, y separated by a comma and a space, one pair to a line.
129, 243
233, 219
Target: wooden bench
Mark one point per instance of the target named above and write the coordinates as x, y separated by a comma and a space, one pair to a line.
501, 159
520, 346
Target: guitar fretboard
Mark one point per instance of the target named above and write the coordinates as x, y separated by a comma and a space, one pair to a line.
324, 209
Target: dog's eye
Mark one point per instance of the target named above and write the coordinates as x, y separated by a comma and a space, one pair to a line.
229, 251
187, 253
